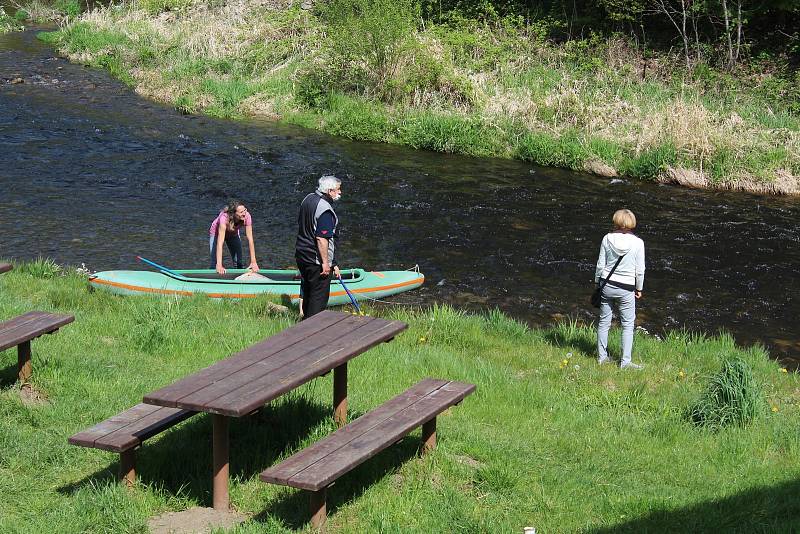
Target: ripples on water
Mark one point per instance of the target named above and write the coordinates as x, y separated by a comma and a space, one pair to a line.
91, 173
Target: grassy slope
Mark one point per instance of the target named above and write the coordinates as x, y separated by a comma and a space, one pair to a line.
594, 105
560, 446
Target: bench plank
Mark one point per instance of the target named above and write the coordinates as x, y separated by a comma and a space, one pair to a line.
29, 326
318, 466
282, 472
130, 428
5, 267
169, 395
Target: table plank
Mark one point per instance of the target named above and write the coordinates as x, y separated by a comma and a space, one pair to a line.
272, 361
310, 366
169, 395
29, 326
249, 379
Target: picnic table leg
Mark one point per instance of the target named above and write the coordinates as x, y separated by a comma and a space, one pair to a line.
24, 361
220, 444
340, 394
319, 513
127, 467
429, 436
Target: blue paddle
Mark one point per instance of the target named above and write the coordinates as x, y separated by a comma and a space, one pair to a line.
352, 298
159, 267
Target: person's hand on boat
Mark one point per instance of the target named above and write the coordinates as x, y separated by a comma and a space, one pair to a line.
637, 294
253, 267
326, 269
220, 268
336, 272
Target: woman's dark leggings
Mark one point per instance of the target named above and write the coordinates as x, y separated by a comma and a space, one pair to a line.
234, 244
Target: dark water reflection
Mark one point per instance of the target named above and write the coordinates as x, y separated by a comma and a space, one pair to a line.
91, 173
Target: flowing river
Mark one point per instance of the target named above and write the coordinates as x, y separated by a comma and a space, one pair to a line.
91, 173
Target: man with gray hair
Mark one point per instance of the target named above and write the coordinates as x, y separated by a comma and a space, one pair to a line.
315, 246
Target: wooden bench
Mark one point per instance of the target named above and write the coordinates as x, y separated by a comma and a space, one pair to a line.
318, 466
19, 331
5, 267
126, 431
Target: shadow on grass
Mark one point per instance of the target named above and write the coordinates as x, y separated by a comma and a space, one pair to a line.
180, 460
292, 507
580, 339
9, 375
764, 509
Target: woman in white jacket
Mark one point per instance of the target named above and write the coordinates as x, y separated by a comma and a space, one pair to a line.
624, 286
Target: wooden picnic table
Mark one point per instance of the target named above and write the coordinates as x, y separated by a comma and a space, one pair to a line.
5, 267
247, 380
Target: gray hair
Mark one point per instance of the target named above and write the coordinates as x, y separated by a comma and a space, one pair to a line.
328, 182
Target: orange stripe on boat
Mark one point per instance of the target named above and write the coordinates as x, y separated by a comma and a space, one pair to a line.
378, 274
175, 291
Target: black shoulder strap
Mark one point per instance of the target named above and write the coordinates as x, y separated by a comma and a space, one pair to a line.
614, 268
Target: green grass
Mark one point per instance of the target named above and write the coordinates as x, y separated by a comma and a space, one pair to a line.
549, 439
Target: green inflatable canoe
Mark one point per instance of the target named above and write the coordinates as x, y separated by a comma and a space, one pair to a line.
286, 283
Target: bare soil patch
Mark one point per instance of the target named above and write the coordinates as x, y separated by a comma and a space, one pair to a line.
194, 521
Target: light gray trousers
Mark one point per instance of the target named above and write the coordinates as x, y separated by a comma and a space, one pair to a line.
626, 303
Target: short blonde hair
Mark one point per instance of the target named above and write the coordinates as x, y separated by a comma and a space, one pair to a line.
624, 219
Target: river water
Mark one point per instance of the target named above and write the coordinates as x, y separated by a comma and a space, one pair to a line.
91, 173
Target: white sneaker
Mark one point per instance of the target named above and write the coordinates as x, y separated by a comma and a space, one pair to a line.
603, 361
631, 365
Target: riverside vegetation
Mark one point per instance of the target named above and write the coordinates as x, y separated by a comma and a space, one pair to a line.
482, 82
706, 438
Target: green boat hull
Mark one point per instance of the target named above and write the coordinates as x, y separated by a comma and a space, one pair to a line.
284, 283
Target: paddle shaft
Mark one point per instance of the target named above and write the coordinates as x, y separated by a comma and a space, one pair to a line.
159, 267
352, 298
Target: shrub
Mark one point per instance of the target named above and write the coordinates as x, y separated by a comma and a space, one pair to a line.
370, 34
733, 397
70, 8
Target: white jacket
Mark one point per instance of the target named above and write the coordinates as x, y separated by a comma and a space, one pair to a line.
630, 270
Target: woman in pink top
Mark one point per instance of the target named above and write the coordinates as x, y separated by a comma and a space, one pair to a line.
225, 229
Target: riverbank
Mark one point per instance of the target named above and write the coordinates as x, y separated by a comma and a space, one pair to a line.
500, 90
549, 439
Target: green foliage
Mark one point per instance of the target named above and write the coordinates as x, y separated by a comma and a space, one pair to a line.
70, 8
227, 93
480, 46
366, 39
623, 10
548, 150
355, 119
649, 164
154, 7
8, 23
448, 133
733, 398
21, 15
484, 10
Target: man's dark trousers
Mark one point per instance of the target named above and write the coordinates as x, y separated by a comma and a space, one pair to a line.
316, 288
